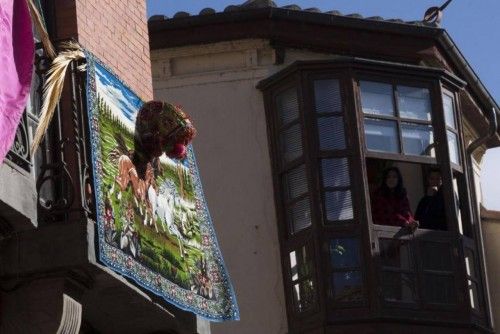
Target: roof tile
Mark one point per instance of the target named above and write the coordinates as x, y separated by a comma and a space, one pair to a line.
256, 4
181, 14
207, 11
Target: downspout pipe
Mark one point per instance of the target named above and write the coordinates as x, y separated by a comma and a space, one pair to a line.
493, 119
492, 116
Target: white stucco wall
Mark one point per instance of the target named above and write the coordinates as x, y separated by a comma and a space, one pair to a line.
491, 237
216, 85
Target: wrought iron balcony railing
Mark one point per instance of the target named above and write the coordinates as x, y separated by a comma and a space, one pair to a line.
60, 167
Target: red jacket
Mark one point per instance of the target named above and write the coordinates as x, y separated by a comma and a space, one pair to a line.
391, 210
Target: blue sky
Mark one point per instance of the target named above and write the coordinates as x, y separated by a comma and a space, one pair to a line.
474, 25
122, 101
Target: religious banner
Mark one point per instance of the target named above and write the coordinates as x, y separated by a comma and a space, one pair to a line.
152, 218
17, 50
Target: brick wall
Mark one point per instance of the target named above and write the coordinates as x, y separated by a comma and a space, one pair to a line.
115, 31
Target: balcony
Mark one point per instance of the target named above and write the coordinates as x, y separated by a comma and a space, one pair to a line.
48, 236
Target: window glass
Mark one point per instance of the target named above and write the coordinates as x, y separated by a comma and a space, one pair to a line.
398, 270
381, 135
299, 216
449, 111
396, 254
430, 261
458, 209
453, 147
387, 123
302, 282
377, 98
473, 294
295, 182
327, 96
291, 143
338, 205
469, 263
335, 172
417, 139
303, 295
472, 284
414, 103
288, 106
300, 263
398, 287
347, 281
344, 253
439, 289
347, 286
331, 133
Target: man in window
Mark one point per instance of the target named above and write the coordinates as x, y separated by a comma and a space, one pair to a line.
431, 210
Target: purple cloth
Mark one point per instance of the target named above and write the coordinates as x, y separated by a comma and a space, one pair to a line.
17, 51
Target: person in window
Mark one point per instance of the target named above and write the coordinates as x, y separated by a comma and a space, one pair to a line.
390, 205
431, 210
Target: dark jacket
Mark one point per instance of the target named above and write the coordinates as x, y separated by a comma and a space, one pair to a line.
431, 212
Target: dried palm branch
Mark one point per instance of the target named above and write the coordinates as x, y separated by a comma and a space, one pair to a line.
42, 31
53, 87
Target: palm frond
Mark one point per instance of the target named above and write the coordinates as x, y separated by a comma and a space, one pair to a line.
40, 27
53, 87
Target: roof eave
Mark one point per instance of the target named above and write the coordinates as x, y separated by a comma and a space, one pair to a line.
440, 35
293, 15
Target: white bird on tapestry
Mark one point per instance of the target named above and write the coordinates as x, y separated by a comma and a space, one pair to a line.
163, 206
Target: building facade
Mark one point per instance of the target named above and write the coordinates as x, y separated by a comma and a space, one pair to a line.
300, 113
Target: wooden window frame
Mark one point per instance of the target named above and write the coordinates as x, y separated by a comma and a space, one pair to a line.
302, 75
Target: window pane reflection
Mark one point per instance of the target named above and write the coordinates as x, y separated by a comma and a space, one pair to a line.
417, 139
338, 205
430, 261
449, 113
398, 287
327, 96
376, 98
331, 133
344, 253
335, 172
469, 263
295, 182
303, 295
396, 254
288, 106
299, 216
347, 286
453, 147
473, 294
300, 263
302, 282
381, 135
291, 143
414, 103
439, 289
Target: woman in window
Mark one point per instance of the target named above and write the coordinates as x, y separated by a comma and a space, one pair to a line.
390, 205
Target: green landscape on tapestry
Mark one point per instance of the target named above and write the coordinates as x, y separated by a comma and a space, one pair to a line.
163, 236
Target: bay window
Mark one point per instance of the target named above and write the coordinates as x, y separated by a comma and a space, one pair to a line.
334, 127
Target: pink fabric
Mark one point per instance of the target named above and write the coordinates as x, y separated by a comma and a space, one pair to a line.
17, 51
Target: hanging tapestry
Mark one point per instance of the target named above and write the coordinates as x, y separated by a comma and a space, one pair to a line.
152, 218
